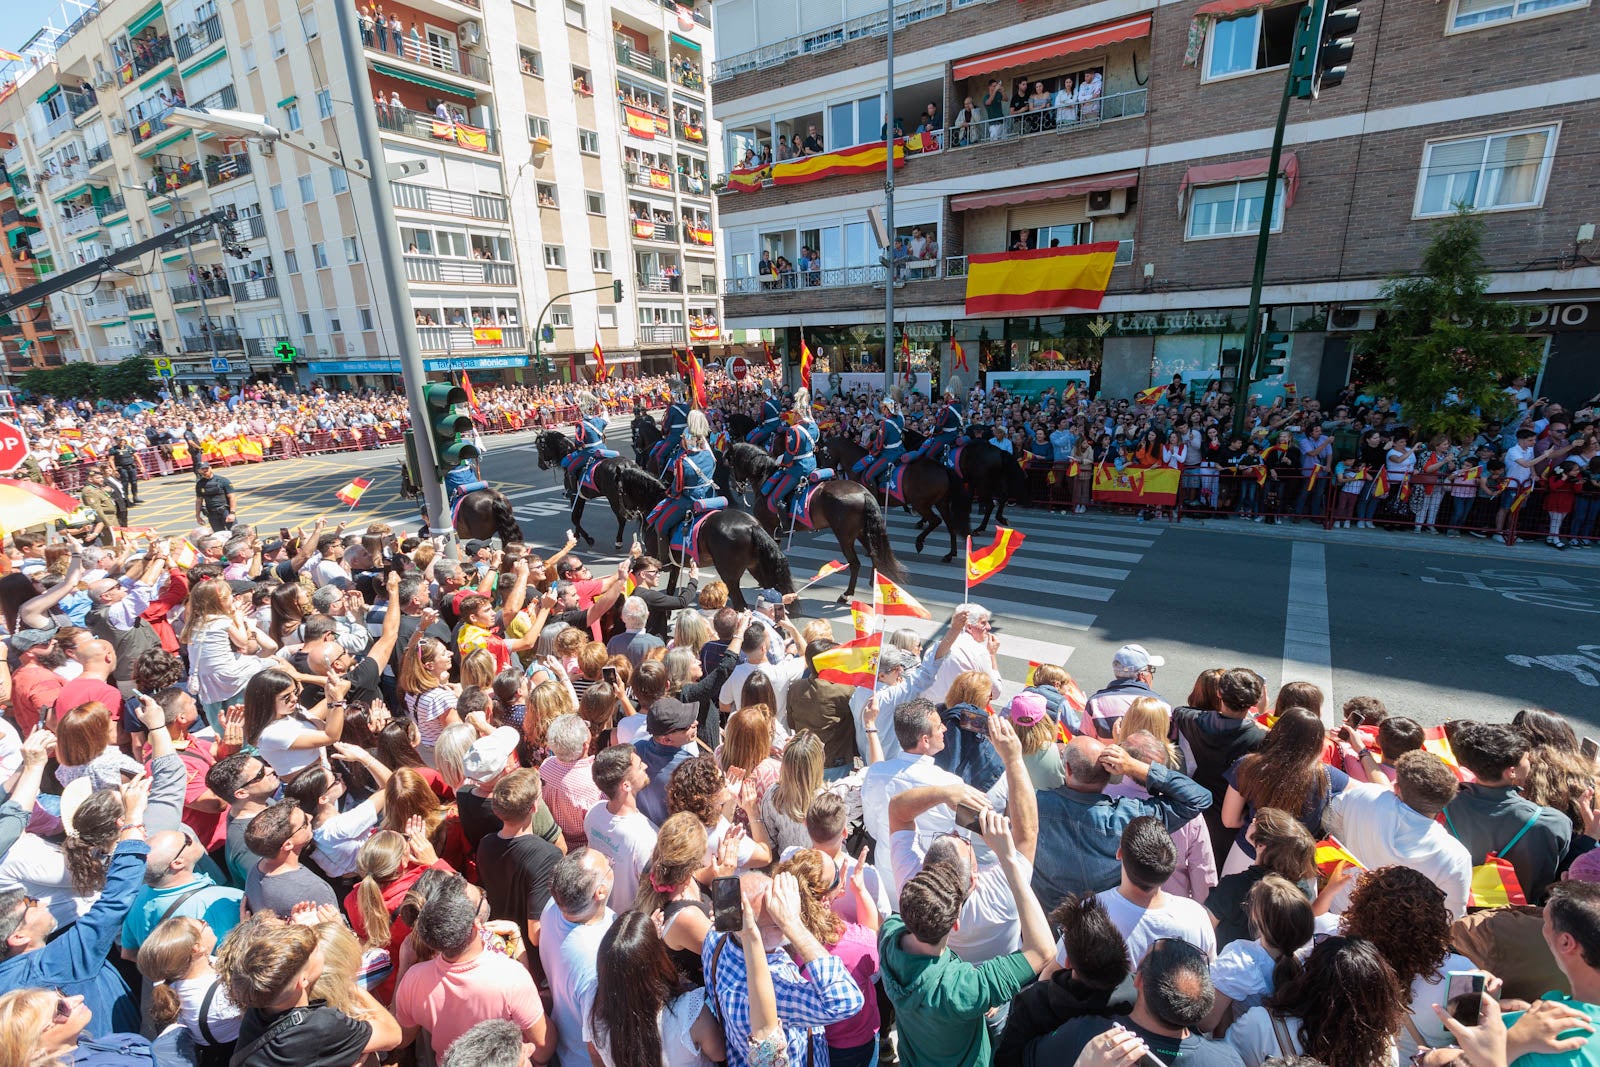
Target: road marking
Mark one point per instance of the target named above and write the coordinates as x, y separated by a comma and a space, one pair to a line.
1583, 665
1307, 646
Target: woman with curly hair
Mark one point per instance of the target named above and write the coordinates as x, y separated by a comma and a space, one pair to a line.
697, 786
1558, 773
1402, 912
1286, 773
645, 1013
853, 1042
547, 702
1346, 1008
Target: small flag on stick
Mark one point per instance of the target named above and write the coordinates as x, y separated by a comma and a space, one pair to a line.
1330, 853
987, 562
1147, 397
805, 365
861, 617
350, 495
889, 599
852, 663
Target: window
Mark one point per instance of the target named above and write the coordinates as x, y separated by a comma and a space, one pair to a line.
1232, 209
308, 23
291, 114
547, 195
324, 104
600, 259
1499, 172
366, 319
305, 322
532, 62
606, 317
853, 122
561, 316
319, 254
1059, 234
338, 179
538, 128
334, 325
594, 203
581, 83
291, 261
589, 142
249, 58
308, 189
352, 250
1260, 40
279, 43
555, 256
276, 192
577, 17
1470, 14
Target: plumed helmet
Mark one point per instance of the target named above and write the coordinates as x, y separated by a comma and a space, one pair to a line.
802, 400
588, 404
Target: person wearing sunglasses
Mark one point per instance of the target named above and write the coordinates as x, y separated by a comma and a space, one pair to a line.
246, 784
50, 1026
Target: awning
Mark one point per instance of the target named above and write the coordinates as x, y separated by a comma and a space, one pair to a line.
215, 57
48, 93
1245, 170
1024, 55
1220, 9
152, 13
425, 81
1030, 194
683, 42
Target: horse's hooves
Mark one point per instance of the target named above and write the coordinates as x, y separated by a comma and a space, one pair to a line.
844, 598
948, 556
614, 544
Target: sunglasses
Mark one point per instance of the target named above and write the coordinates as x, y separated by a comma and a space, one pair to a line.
63, 1012
266, 769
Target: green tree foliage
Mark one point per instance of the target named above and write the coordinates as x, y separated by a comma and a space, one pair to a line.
128, 379
1443, 346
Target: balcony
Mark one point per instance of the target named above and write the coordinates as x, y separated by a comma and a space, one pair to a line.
150, 54
660, 334
62, 123
137, 301
659, 283
203, 35
100, 153
69, 175
642, 62
14, 162
1088, 115
262, 348
200, 343
692, 132
77, 25
223, 169
251, 227
645, 230
225, 98
490, 206
149, 127
424, 126
78, 103
10, 217
686, 75
699, 235
834, 36
116, 352
264, 288
172, 176
84, 221
452, 271
103, 308
662, 181
462, 338
114, 206
455, 61
217, 289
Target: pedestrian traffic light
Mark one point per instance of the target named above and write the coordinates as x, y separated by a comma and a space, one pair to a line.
1323, 46
447, 414
616, 291
1272, 356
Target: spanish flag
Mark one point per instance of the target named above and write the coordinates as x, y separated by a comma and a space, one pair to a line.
1521, 498
472, 395
1040, 280
1149, 396
805, 364
1471, 474
600, 372
697, 380
958, 355
766, 350
889, 599
350, 495
1435, 740
864, 158
1330, 853
988, 562
184, 555
1380, 484
833, 566
640, 124
1071, 392
852, 663
1494, 882
71, 433
861, 618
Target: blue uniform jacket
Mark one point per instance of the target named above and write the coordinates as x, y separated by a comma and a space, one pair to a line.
694, 474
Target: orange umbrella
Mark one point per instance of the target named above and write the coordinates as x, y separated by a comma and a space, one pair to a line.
25, 504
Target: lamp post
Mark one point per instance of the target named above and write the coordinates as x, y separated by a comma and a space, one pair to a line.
888, 209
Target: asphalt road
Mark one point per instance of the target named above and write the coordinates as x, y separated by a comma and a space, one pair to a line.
1437, 628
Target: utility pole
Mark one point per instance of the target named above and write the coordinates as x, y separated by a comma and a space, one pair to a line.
200, 290
888, 209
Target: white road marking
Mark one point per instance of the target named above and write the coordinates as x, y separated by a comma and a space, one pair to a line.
1307, 644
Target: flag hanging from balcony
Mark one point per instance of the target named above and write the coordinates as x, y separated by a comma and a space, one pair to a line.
640, 124
350, 495
805, 364
644, 228
600, 371
1041, 280
958, 355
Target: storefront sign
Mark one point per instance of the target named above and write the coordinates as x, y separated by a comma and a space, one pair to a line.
1554, 318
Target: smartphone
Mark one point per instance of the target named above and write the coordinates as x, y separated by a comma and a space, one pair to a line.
609, 674
1590, 749
967, 818
1463, 997
1356, 720
975, 722
727, 906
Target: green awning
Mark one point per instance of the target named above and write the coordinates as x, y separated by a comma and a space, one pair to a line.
142, 316
214, 57
153, 80
156, 146
285, 102
16, 236
108, 325
71, 194
684, 42
151, 13
90, 236
173, 258
48, 93
425, 81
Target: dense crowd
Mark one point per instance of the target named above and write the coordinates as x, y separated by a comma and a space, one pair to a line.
312, 800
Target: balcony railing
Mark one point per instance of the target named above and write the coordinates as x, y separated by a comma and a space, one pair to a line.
151, 54
688, 76
692, 132
651, 177
204, 33
225, 98
262, 347
251, 226
660, 334
264, 288
645, 230
454, 271
222, 169
834, 36
700, 236
471, 205
116, 352
702, 287
218, 289
462, 339
82, 222
227, 341
99, 154
1085, 115
149, 126
659, 283
106, 307
701, 13
643, 62
77, 25
425, 126
78, 103
170, 179
68, 176
59, 125
423, 54
138, 301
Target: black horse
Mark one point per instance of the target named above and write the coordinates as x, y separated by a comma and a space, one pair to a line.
733, 540
554, 446
845, 507
644, 439
994, 477
485, 513
929, 488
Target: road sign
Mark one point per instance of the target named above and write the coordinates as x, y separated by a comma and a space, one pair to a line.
219, 365
13, 447
286, 352
739, 367
163, 365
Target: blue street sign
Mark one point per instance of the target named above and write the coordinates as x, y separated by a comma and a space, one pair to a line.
219, 365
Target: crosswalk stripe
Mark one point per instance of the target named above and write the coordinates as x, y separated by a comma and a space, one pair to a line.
1063, 534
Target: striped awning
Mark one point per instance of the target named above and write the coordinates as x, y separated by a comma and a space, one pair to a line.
1045, 191
422, 79
1033, 52
683, 42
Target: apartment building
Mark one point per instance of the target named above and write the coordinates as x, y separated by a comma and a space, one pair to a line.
522, 198
29, 336
1148, 123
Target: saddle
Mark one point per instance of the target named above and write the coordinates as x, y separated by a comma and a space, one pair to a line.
800, 504
954, 462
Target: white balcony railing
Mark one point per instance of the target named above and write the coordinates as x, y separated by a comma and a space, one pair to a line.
448, 269
835, 35
82, 222
1070, 118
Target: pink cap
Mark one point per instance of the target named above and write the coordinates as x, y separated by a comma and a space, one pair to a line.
1027, 709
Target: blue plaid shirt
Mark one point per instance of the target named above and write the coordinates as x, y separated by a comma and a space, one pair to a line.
809, 998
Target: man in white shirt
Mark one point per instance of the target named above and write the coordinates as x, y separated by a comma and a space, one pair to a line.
570, 929
901, 677
760, 655
974, 649
1380, 827
617, 829
1139, 908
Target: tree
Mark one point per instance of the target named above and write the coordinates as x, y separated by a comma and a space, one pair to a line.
1443, 346
127, 379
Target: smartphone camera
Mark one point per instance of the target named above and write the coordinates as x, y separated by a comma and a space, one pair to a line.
1463, 997
967, 818
727, 907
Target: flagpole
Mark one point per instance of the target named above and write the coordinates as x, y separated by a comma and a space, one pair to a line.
966, 573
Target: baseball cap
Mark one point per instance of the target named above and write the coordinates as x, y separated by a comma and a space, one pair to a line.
23, 640
1027, 709
1132, 659
766, 597
72, 798
473, 547
270, 546
487, 756
668, 715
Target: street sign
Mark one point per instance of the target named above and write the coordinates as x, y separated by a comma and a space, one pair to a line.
163, 365
739, 367
219, 365
285, 352
13, 447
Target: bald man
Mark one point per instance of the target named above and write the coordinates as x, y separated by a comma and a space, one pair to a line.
172, 887
99, 661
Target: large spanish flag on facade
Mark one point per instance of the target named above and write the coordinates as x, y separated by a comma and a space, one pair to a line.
1139, 486
889, 599
749, 179
640, 124
1041, 280
852, 663
863, 157
989, 561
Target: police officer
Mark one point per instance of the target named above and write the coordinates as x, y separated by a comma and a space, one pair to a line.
214, 498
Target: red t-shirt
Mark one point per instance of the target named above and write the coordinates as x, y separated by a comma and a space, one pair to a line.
33, 688
81, 690
209, 826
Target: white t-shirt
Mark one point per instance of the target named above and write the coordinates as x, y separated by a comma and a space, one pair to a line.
569, 953
677, 1043
627, 840
339, 840
781, 675
1424, 995
1255, 1039
988, 922
10, 750
1176, 916
222, 1018
274, 742
1516, 472
631, 728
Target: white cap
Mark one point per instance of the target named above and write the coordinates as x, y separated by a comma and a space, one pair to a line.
1133, 659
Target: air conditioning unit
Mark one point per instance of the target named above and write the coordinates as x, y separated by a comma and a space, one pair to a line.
118, 125
470, 34
1353, 320
1107, 202
104, 80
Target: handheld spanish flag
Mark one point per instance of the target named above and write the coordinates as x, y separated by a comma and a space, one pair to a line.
1146, 397
852, 663
350, 495
861, 618
766, 350
987, 562
833, 566
1259, 473
1071, 392
600, 372
1471, 474
1311, 482
958, 355
71, 433
184, 555
1435, 740
1380, 484
889, 599
472, 394
1330, 853
805, 364
1521, 498
697, 381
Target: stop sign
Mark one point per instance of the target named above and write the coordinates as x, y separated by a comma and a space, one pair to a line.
739, 367
13, 447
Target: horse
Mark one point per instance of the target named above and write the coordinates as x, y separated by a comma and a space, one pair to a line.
929, 488
648, 436
554, 446
733, 540
485, 513
739, 425
993, 476
847, 508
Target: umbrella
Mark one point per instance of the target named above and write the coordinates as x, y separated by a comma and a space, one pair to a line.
25, 504
137, 407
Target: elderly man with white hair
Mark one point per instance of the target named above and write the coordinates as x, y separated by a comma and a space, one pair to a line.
348, 612
633, 642
901, 676
976, 648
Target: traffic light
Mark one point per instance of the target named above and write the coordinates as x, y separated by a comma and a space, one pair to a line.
616, 291
1272, 356
1323, 46
547, 333
448, 416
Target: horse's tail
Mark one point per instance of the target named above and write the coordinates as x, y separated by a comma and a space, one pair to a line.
772, 563
876, 534
960, 501
505, 520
